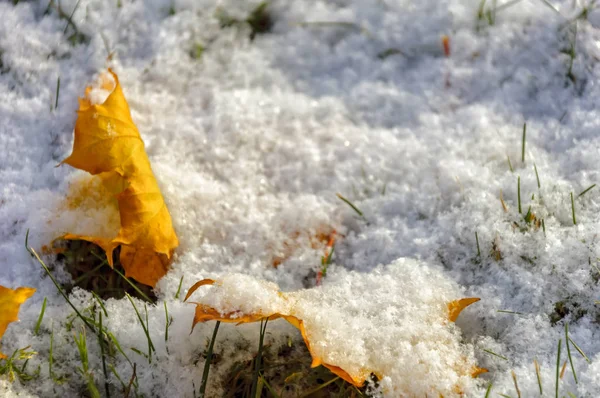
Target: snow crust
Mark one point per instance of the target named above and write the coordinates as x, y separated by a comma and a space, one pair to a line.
251, 142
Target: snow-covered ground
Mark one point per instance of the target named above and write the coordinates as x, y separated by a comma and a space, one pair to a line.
252, 139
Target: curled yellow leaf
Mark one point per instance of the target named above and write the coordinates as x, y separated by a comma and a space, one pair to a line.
108, 144
10, 303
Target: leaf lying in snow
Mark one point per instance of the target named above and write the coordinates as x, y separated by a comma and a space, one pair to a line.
357, 327
10, 302
107, 144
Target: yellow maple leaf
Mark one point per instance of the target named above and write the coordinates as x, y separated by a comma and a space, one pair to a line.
204, 313
108, 144
10, 302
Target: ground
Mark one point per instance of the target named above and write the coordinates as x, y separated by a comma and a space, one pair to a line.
470, 167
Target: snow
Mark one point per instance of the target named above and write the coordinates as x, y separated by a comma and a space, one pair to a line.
251, 142
398, 327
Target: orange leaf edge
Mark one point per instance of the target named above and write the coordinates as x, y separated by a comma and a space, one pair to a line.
455, 307
196, 285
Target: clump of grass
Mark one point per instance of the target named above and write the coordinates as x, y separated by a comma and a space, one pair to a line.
109, 345
81, 342
285, 372
145, 327
15, 366
197, 51
566, 307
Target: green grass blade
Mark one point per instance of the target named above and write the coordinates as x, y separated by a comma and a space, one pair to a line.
258, 359
103, 356
537, 176
356, 209
208, 360
569, 352
523, 142
494, 354
586, 190
573, 209
519, 193
39, 321
557, 367
179, 288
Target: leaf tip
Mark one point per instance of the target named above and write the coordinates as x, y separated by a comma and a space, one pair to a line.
455, 307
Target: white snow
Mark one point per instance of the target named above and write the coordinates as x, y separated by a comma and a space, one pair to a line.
251, 142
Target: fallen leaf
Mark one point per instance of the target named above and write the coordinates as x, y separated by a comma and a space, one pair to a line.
108, 144
204, 313
10, 302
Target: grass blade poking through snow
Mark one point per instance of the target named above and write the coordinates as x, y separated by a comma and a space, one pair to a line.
356, 209
523, 143
510, 164
557, 367
579, 350
514, 377
167, 323
519, 193
258, 360
538, 375
208, 360
573, 209
57, 92
39, 321
496, 355
586, 190
51, 351
144, 326
99, 300
569, 352
179, 288
81, 343
103, 355
70, 19
537, 176
489, 390
477, 241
